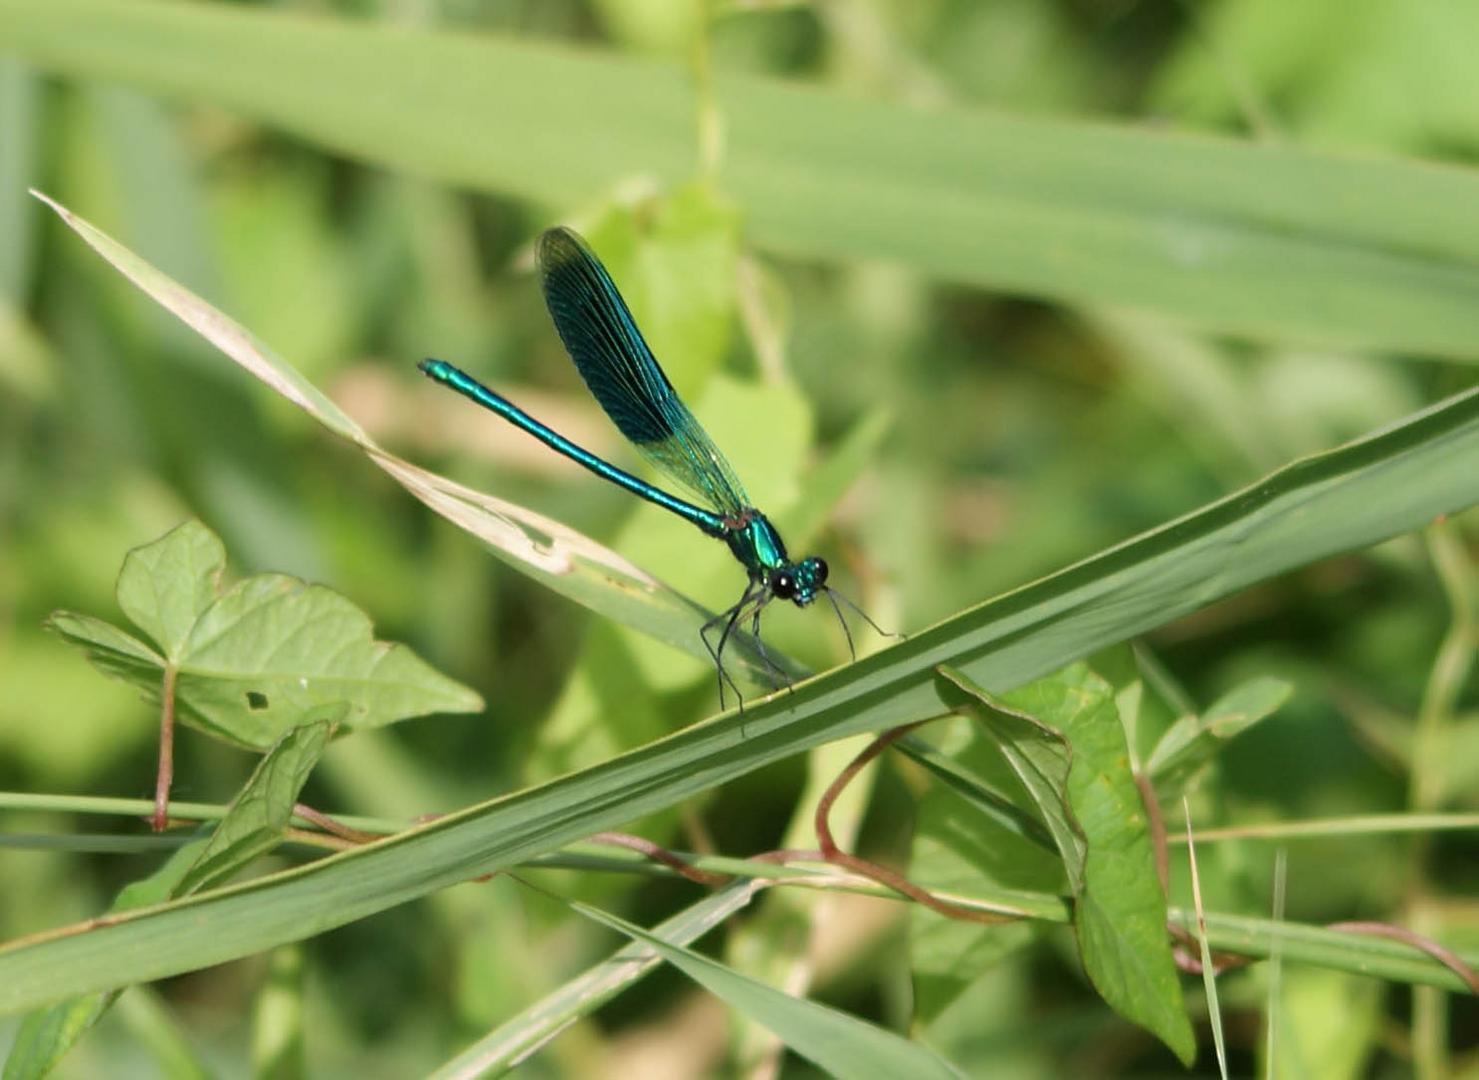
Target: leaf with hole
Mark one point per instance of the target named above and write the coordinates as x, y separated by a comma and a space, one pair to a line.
254, 659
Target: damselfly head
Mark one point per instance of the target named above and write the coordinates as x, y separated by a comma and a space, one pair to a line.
799, 582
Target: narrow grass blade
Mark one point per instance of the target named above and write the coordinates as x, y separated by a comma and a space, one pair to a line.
1209, 970
986, 800
842, 1045
511, 1043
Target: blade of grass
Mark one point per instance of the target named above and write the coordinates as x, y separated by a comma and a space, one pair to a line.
1209, 970
511, 1043
1340, 950
1269, 241
1274, 1001
842, 1045
989, 802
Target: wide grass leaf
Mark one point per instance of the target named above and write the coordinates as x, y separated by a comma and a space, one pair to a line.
1268, 241
47, 1034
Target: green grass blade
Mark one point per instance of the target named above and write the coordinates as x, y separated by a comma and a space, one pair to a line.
1209, 969
1041, 757
842, 1045
1387, 483
1262, 240
511, 1043
1340, 950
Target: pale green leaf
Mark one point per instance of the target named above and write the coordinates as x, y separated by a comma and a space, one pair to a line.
255, 821
1330, 1025
273, 648
675, 265
255, 661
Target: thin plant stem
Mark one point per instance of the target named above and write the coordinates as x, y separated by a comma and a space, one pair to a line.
165, 774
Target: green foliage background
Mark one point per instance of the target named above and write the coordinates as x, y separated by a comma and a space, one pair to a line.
1072, 332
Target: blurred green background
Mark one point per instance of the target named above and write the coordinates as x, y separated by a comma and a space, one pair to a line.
1021, 435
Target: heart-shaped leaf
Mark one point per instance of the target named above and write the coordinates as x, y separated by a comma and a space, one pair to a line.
253, 660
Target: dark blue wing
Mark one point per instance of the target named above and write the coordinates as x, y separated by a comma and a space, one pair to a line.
622, 374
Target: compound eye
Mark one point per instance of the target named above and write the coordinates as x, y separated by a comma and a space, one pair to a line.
783, 585
819, 568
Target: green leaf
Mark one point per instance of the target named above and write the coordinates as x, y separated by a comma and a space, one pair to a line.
1193, 741
1266, 240
165, 586
1329, 1025
675, 264
253, 824
278, 1024
842, 1045
257, 660
1065, 741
